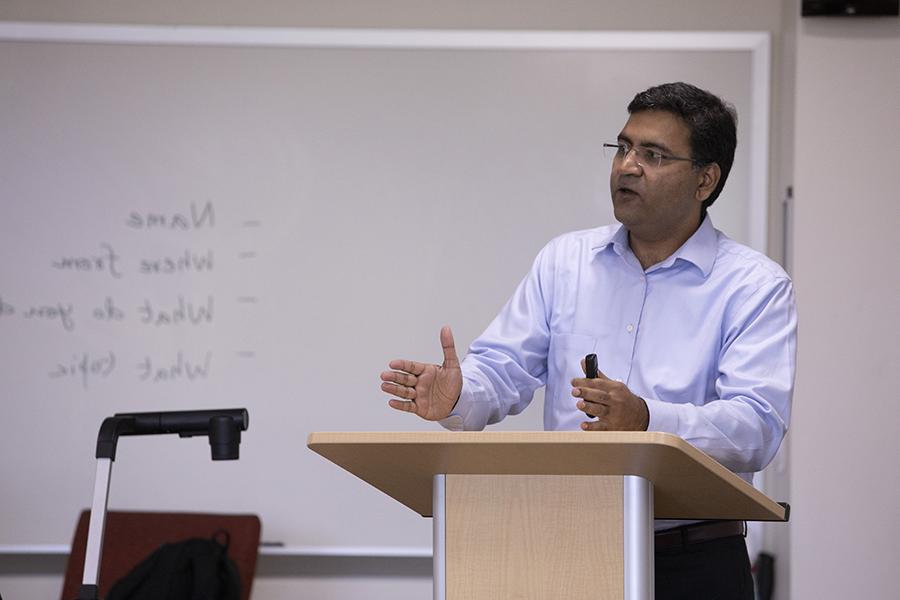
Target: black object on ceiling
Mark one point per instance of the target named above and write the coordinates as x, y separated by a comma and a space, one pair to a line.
851, 8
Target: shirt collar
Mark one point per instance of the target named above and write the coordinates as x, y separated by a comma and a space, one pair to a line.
700, 249
617, 237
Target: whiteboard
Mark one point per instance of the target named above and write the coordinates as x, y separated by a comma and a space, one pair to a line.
259, 225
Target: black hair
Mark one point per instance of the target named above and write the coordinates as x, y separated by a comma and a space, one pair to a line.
711, 120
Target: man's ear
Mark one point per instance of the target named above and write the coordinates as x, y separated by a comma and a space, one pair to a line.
708, 180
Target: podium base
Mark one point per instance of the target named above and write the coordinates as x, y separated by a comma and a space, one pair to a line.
543, 536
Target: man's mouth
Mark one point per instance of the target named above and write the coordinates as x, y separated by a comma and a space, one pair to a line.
624, 189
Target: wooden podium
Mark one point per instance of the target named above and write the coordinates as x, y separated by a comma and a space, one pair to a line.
554, 514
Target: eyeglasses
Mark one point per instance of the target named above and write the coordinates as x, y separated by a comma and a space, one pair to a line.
645, 157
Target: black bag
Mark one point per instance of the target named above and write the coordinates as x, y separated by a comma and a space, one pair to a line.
194, 569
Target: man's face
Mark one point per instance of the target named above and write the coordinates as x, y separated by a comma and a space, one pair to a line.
657, 202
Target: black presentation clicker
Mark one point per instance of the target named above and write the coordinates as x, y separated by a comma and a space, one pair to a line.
223, 427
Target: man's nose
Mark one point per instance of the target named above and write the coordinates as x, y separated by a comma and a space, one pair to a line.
629, 163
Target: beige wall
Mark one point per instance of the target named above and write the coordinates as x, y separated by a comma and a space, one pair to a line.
474, 14
845, 487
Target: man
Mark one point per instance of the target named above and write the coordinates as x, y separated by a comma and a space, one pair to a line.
695, 334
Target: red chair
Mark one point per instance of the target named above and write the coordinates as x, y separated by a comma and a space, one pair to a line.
130, 537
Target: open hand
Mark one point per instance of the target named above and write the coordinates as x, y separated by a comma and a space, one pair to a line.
428, 390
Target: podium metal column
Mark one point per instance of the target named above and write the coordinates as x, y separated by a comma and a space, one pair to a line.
439, 521
638, 550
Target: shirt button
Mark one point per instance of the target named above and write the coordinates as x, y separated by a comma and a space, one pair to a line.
629, 328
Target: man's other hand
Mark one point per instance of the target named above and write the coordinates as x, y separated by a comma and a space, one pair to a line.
616, 408
430, 391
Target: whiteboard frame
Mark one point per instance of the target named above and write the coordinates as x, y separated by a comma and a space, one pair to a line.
757, 43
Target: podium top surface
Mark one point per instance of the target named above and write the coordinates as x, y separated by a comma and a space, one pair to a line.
687, 483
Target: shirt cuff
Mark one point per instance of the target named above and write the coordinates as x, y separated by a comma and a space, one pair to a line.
453, 423
462, 417
663, 416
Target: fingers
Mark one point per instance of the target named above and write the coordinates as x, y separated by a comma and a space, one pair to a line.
402, 382
594, 409
592, 394
409, 366
405, 406
410, 381
593, 402
451, 359
607, 385
401, 391
598, 425
400, 378
616, 407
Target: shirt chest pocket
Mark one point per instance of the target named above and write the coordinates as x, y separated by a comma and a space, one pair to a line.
564, 364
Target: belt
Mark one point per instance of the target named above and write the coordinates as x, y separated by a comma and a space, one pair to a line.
698, 532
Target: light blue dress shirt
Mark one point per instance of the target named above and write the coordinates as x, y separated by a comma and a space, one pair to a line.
707, 338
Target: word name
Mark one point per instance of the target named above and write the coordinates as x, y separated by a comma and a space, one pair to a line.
197, 219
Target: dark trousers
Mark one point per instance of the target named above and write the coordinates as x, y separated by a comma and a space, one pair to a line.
714, 570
